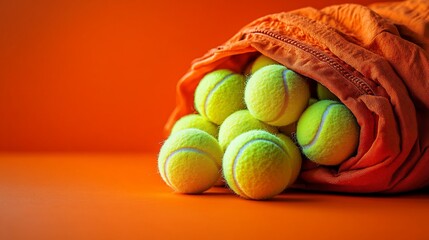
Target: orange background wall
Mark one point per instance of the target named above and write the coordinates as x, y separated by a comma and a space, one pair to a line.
85, 75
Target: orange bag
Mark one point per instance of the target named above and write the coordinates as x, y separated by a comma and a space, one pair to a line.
375, 59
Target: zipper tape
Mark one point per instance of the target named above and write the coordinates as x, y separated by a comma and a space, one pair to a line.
358, 82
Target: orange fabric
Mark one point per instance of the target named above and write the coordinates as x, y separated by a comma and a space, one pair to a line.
375, 61
108, 196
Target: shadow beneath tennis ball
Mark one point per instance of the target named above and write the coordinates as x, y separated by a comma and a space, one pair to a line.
219, 194
295, 196
215, 192
288, 199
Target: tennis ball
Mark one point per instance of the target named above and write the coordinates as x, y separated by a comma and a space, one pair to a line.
290, 129
256, 165
259, 62
195, 121
238, 123
276, 95
323, 93
219, 94
295, 156
190, 161
327, 132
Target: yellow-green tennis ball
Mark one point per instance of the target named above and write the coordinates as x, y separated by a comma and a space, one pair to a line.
323, 93
295, 156
190, 161
219, 94
276, 95
328, 132
240, 122
259, 62
290, 129
196, 121
256, 165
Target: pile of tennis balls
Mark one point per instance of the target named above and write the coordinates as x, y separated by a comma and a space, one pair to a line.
252, 131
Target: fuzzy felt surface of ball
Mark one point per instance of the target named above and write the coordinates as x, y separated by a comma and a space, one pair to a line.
328, 132
276, 95
323, 93
219, 94
240, 122
295, 156
256, 165
190, 161
260, 62
196, 121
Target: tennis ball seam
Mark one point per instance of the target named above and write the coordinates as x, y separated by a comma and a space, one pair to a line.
217, 85
239, 153
285, 102
320, 127
183, 149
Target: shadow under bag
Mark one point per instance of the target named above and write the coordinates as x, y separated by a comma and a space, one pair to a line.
374, 59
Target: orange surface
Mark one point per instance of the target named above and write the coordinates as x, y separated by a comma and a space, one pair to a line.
93, 196
100, 75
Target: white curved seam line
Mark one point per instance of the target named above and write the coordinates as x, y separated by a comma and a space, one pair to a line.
285, 102
319, 129
213, 90
240, 152
190, 149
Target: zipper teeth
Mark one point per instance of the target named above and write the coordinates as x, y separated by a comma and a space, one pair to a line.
358, 82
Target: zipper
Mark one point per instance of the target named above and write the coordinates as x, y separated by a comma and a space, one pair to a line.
359, 83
